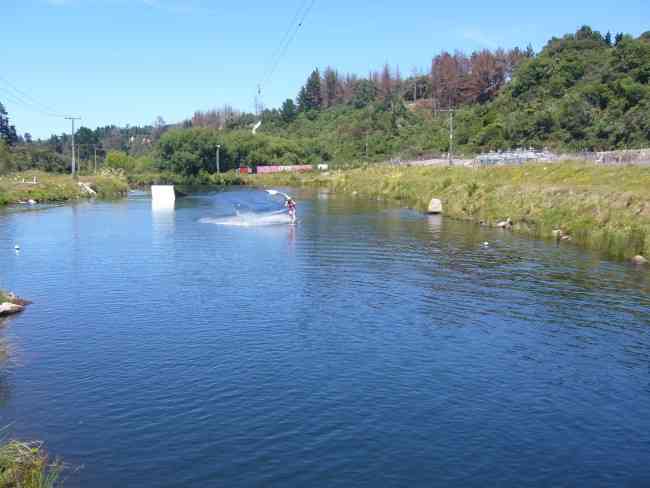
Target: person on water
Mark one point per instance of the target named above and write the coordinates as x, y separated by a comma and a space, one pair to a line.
291, 205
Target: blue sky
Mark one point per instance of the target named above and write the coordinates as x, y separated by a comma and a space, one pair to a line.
128, 61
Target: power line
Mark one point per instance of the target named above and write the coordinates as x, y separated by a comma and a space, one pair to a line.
301, 15
27, 96
27, 101
18, 100
276, 53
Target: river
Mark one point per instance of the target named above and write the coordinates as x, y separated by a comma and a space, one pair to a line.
366, 346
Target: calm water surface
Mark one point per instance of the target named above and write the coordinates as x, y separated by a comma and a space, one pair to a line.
366, 346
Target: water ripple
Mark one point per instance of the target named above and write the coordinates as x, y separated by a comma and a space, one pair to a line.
365, 346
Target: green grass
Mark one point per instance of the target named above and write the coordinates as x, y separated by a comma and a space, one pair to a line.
140, 180
56, 187
27, 465
600, 207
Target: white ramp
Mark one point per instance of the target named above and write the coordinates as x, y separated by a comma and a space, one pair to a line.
163, 196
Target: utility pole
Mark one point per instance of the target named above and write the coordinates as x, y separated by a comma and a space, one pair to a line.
451, 136
74, 162
218, 148
451, 133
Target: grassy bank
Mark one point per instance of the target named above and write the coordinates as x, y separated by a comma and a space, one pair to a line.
602, 208
20, 187
141, 180
27, 465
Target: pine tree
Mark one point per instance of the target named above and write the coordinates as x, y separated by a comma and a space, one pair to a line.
313, 96
386, 82
288, 110
331, 87
530, 52
302, 100
13, 135
364, 93
7, 132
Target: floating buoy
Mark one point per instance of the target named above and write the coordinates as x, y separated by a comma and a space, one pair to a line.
17, 247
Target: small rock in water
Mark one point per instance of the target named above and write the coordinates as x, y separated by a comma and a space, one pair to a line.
435, 206
639, 260
566, 238
31, 201
10, 308
505, 224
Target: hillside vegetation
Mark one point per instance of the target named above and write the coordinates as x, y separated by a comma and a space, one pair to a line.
583, 91
602, 208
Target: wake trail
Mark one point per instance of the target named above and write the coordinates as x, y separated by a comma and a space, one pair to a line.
250, 219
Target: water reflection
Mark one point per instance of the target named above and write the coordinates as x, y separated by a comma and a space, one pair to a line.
163, 218
5, 390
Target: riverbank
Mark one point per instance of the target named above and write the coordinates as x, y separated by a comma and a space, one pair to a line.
11, 304
599, 207
24, 464
144, 180
27, 465
41, 187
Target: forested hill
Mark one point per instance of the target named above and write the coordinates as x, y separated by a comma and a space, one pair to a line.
584, 91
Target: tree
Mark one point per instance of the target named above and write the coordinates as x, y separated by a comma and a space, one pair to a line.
364, 93
385, 82
158, 127
310, 97
85, 139
608, 38
447, 78
13, 135
28, 138
302, 99
7, 132
331, 87
530, 52
6, 162
585, 33
288, 111
119, 160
